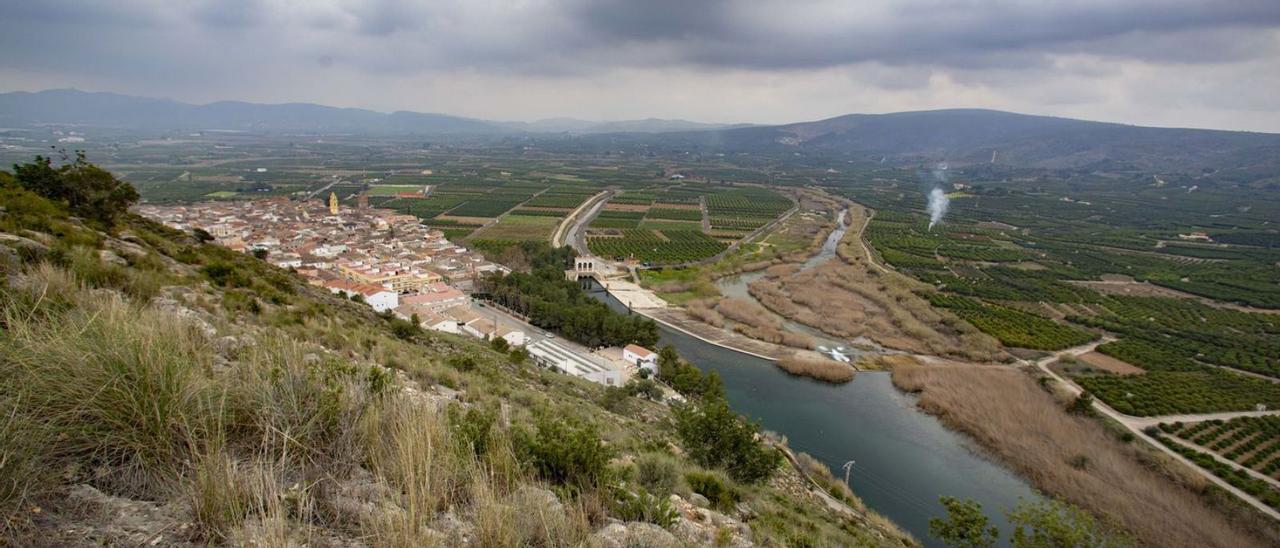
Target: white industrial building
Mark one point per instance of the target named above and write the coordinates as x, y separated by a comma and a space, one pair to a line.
548, 353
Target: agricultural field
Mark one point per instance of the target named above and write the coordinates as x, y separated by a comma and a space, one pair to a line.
1181, 392
674, 214
670, 225
656, 246
392, 190
617, 219
745, 209
1252, 442
1012, 327
519, 228
1187, 333
1237, 477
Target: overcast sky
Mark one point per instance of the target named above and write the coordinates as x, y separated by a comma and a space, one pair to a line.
1157, 62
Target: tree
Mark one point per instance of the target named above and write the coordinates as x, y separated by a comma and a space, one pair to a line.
88, 190
668, 361
646, 388
1056, 524
965, 525
716, 437
201, 235
519, 355
260, 253
500, 344
1082, 405
1038, 524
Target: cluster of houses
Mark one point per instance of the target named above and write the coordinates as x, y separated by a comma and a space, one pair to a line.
392, 262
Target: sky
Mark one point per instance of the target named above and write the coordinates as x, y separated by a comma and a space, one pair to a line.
1183, 63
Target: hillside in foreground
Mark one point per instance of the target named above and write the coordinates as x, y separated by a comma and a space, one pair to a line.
158, 390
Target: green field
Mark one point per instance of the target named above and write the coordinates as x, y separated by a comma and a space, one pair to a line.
657, 247
519, 228
392, 190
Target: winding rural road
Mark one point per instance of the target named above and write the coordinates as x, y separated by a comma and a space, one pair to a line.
1137, 425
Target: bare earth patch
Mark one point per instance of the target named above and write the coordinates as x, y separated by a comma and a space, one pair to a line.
611, 206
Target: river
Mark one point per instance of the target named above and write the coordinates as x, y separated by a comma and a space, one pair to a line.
736, 285
904, 459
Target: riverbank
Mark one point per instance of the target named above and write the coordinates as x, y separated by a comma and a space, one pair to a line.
1071, 456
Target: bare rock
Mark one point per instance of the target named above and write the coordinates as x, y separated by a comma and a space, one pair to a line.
538, 497
110, 257
168, 304
230, 345
699, 501
634, 535
703, 526
459, 532
116, 521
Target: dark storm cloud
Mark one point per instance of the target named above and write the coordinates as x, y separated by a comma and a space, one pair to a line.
585, 35
1116, 54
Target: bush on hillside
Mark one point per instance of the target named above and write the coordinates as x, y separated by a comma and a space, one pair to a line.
87, 190
566, 452
716, 437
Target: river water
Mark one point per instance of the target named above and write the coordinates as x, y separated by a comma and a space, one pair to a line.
904, 459
735, 285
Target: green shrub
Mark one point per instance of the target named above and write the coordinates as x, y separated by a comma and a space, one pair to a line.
721, 494
565, 451
716, 437
642, 506
657, 473
473, 430
462, 362
226, 275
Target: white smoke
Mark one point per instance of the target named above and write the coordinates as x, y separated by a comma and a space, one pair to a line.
938, 202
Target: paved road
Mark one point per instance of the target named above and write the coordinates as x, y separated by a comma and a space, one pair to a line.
576, 233
1136, 425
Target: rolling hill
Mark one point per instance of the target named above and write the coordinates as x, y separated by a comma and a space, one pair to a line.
974, 136
960, 136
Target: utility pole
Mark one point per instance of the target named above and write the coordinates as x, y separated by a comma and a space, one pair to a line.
847, 466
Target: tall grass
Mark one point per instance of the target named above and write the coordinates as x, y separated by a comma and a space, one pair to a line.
114, 383
1007, 412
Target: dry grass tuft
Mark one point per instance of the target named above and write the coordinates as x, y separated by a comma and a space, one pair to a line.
817, 368
704, 313
1007, 413
747, 312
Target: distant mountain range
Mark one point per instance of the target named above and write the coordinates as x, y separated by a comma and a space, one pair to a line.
69, 106
977, 136
957, 135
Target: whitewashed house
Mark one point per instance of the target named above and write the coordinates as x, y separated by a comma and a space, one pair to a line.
641, 357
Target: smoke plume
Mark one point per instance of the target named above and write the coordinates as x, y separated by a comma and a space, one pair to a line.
938, 202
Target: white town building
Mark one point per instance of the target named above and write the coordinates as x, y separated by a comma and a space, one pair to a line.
641, 357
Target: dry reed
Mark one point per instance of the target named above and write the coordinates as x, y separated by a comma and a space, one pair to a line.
1009, 414
817, 368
